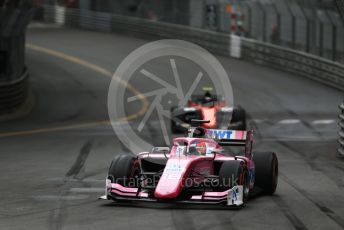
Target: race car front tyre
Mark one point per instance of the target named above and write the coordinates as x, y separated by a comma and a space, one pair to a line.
124, 170
238, 121
234, 173
266, 171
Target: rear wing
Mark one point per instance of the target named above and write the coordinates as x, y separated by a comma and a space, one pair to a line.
233, 138
225, 137
228, 137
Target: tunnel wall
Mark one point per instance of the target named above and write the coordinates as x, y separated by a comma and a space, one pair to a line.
13, 73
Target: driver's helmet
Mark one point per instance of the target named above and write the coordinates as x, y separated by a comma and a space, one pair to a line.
207, 94
198, 132
201, 148
207, 97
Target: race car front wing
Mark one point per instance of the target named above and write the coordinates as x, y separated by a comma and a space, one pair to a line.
230, 197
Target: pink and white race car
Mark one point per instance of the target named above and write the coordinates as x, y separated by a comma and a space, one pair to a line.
202, 167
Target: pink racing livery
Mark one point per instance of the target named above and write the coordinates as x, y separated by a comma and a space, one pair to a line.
208, 166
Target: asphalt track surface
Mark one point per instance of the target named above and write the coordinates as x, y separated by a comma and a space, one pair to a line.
53, 162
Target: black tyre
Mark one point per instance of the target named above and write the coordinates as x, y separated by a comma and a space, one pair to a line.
266, 171
234, 173
239, 119
124, 170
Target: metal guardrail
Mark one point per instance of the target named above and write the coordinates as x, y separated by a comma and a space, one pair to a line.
106, 22
288, 60
299, 63
341, 131
340, 5
13, 94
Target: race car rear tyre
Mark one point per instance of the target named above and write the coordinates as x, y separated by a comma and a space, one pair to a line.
234, 173
266, 171
239, 116
124, 170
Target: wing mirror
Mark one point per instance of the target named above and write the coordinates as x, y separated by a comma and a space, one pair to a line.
215, 151
163, 150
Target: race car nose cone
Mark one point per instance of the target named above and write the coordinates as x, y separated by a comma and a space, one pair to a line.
168, 188
166, 193
170, 183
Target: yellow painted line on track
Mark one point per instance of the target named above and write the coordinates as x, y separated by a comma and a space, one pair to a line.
94, 68
100, 70
54, 129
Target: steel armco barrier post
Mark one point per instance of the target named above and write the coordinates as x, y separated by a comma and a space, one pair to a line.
341, 131
340, 5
